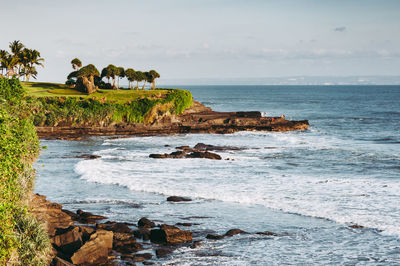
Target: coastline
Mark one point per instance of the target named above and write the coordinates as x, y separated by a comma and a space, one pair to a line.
196, 119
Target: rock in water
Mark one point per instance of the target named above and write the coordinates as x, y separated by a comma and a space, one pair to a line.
177, 199
170, 235
146, 223
206, 155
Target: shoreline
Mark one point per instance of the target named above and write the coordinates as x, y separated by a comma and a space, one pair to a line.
194, 120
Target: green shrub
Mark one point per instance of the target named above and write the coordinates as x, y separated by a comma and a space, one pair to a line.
19, 146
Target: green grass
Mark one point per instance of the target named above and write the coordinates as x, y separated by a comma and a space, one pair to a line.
46, 89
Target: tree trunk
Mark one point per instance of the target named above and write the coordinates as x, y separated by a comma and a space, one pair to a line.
137, 85
114, 87
118, 83
144, 84
88, 83
154, 84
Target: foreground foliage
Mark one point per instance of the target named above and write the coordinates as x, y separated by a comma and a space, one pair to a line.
22, 239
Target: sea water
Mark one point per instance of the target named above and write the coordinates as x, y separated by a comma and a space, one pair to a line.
306, 186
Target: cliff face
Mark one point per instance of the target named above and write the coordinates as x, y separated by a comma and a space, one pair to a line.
196, 119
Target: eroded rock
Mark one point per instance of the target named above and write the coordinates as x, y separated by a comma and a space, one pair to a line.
95, 250
170, 234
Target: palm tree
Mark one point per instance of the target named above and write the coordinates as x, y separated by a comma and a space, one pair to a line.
76, 64
130, 75
3, 55
16, 48
152, 76
29, 58
86, 78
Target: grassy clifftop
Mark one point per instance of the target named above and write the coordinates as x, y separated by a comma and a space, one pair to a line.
56, 104
22, 239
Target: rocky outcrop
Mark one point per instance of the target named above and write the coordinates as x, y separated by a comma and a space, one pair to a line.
49, 213
170, 234
177, 199
197, 119
183, 154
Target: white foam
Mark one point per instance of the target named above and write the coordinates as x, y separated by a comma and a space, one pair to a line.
295, 180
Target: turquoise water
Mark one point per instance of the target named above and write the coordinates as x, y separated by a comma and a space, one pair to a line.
306, 186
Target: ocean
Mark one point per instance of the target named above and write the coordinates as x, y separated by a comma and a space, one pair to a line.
308, 187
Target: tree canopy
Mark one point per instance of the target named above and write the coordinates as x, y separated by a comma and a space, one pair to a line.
21, 62
76, 64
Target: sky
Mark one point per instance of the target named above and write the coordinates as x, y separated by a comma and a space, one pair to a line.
210, 39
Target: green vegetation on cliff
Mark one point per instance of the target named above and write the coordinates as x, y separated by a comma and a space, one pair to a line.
22, 239
55, 104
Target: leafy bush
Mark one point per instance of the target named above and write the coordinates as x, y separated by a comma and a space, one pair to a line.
19, 146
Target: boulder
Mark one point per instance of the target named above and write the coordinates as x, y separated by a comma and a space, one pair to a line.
160, 156
169, 234
95, 250
88, 156
178, 199
88, 217
233, 232
205, 155
69, 241
146, 223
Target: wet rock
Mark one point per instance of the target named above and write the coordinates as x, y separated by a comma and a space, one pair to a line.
162, 252
88, 217
145, 256
178, 199
95, 250
170, 235
206, 147
146, 223
215, 237
184, 224
356, 226
178, 154
142, 233
267, 233
204, 155
115, 227
182, 148
160, 156
69, 241
233, 232
196, 244
148, 263
88, 156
